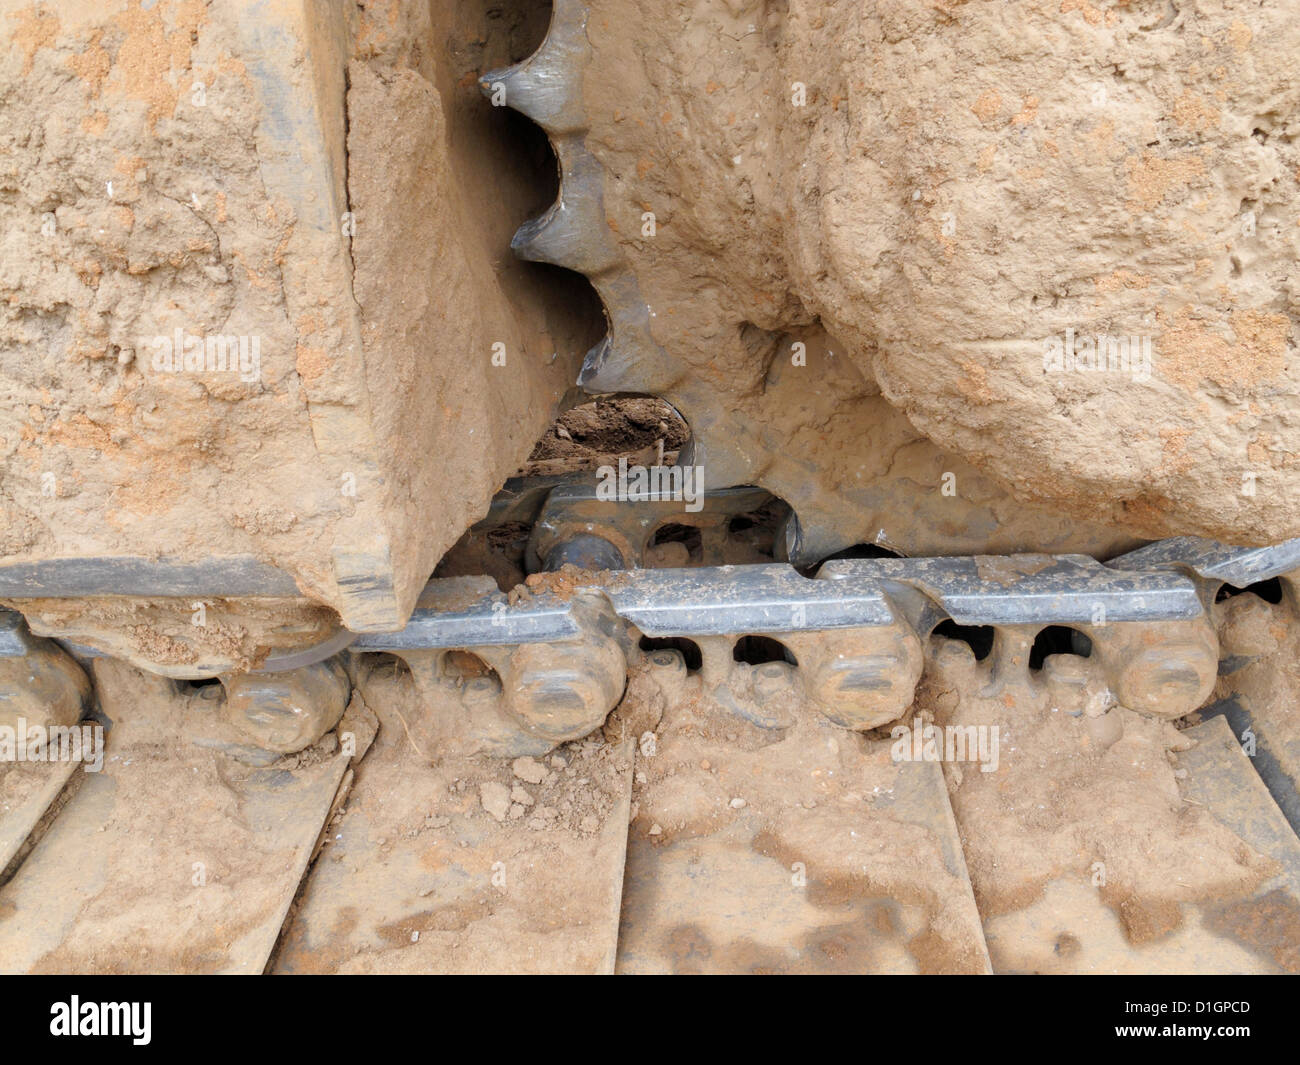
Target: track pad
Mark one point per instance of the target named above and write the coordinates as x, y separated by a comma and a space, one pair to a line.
469, 864
802, 850
172, 858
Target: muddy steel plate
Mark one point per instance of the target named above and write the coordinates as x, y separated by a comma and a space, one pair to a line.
418, 877
176, 860
819, 871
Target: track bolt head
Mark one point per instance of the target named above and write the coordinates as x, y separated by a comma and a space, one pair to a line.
668, 661
1069, 671
562, 691
1166, 670
861, 679
1247, 626
479, 691
951, 654
667, 668
287, 712
1164, 683
772, 679
1067, 677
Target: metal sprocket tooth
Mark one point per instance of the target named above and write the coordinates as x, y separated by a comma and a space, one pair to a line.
574, 233
542, 86
733, 448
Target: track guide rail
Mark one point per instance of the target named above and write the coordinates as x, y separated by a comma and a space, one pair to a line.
1144, 586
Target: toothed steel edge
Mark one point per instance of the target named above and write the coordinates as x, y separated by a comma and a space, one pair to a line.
547, 85
593, 362
572, 232
715, 444
628, 359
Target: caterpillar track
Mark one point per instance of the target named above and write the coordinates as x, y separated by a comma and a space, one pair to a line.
754, 712
599, 738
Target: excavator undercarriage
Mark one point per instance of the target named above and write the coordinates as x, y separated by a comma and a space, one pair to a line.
375, 600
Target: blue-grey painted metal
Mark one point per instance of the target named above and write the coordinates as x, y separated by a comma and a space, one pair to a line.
471, 612
1142, 586
14, 640
725, 600
1031, 589
75, 578
1238, 566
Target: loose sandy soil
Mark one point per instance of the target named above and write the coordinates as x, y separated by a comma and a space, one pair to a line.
918, 195
942, 187
146, 191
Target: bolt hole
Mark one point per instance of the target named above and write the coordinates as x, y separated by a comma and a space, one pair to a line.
1270, 591
978, 637
1058, 640
755, 650
380, 664
208, 688
464, 666
689, 648
675, 533
857, 551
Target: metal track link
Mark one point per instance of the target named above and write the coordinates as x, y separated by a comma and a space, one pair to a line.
851, 640
853, 636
